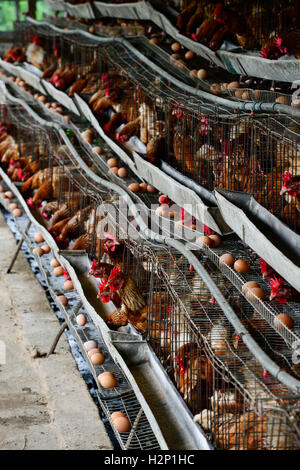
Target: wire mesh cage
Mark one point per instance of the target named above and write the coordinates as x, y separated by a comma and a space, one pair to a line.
68, 195
237, 403
252, 25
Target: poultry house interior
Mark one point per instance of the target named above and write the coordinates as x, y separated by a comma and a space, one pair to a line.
150, 163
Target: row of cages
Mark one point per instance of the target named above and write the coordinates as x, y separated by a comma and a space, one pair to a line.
153, 288
252, 25
211, 145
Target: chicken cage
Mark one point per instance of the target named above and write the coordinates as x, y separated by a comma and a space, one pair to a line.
252, 25
210, 145
237, 403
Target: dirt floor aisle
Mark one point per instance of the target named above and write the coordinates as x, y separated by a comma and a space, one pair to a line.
44, 403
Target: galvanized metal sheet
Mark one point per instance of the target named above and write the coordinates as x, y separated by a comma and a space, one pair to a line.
248, 232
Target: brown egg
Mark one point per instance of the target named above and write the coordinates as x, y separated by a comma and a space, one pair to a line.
180, 64
113, 170
154, 41
193, 73
87, 138
1, 189
54, 263
36, 95
43, 99
189, 55
247, 95
227, 259
59, 110
38, 251
54, 105
122, 424
112, 162
68, 118
249, 285
224, 85
255, 293
143, 187
61, 299
81, 319
12, 206
122, 173
98, 150
48, 105
233, 85
217, 240
91, 344
151, 189
17, 212
117, 414
93, 351
174, 57
204, 241
107, 380
238, 93
285, 319
97, 359
134, 187
68, 285
215, 88
92, 29
59, 271
8, 195
38, 237
283, 100
202, 74
89, 131
46, 248
176, 46
241, 266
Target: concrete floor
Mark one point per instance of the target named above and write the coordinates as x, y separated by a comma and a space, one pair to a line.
44, 403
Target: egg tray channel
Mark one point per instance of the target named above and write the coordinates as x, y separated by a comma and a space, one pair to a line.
140, 436
40, 107
83, 334
101, 162
267, 310
120, 398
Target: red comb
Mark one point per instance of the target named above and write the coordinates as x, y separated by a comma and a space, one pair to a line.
93, 265
114, 272
35, 38
19, 173
219, 8
287, 177
275, 283
278, 42
102, 284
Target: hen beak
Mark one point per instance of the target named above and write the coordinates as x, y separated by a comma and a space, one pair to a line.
272, 296
283, 190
